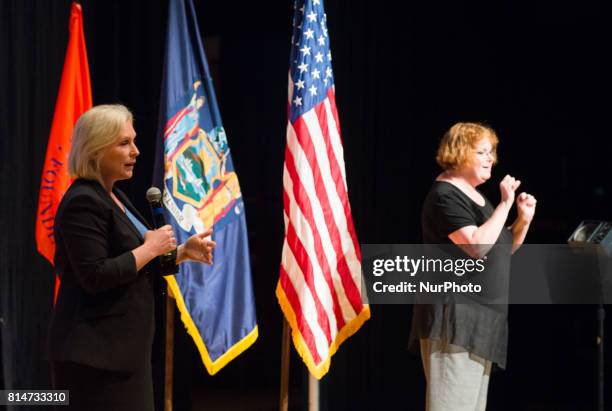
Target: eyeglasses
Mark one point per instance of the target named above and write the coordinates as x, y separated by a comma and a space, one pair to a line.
485, 153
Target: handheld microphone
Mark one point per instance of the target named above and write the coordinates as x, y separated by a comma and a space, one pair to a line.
154, 197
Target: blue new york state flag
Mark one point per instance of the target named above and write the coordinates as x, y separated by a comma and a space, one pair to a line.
201, 190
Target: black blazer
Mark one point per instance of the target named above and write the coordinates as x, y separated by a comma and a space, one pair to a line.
104, 315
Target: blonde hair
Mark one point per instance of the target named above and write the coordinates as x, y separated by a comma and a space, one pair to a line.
96, 129
456, 146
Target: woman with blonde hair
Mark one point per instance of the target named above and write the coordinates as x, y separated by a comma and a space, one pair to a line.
459, 342
102, 328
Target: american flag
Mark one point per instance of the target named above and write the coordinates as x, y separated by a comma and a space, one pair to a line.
319, 289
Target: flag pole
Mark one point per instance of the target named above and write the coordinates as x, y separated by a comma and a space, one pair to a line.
169, 355
284, 382
313, 393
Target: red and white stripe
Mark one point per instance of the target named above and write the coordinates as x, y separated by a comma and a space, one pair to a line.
320, 282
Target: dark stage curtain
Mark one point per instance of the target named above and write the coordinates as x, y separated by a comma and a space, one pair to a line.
404, 72
33, 40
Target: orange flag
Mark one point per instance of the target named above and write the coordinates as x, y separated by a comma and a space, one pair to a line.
74, 98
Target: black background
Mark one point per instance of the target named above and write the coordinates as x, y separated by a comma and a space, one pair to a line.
537, 71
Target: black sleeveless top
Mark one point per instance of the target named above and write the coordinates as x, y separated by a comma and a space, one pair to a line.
478, 324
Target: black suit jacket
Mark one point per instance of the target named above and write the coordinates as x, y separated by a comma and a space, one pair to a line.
104, 315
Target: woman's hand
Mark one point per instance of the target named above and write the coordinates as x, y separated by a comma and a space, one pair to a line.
160, 241
156, 243
197, 248
507, 187
526, 205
